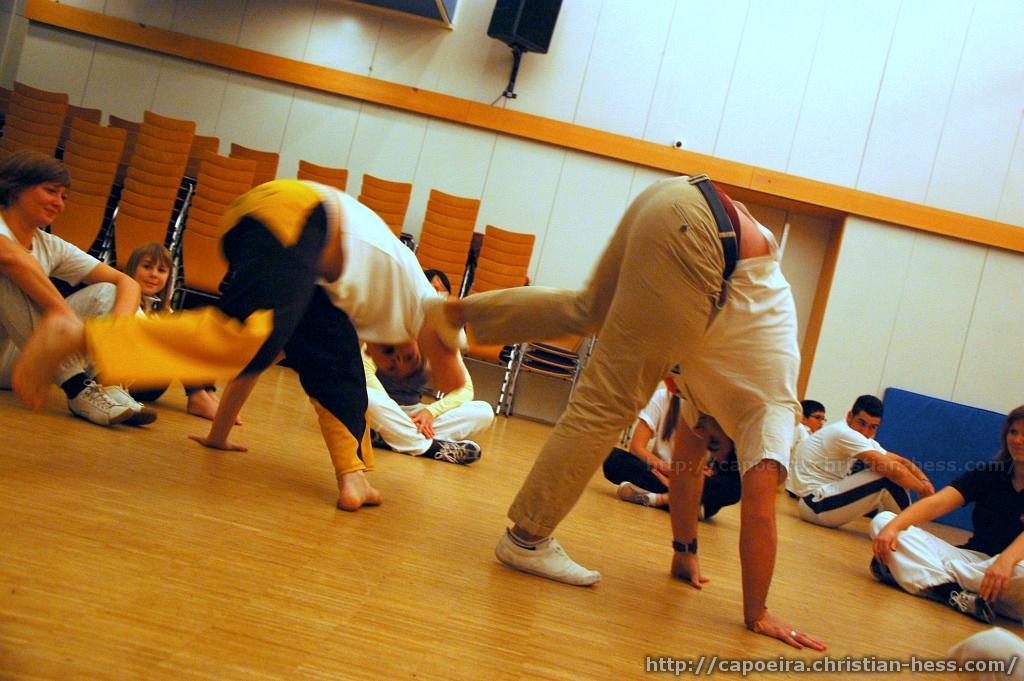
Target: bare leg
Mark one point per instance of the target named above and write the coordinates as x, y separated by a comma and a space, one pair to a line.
355, 491
56, 337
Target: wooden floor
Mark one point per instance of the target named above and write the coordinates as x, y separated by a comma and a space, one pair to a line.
136, 554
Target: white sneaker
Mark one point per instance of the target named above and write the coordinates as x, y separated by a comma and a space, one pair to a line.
634, 494
141, 414
433, 313
93, 404
546, 559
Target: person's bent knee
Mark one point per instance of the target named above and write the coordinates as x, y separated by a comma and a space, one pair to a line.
879, 521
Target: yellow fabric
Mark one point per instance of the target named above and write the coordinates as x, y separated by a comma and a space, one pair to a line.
342, 444
197, 346
282, 206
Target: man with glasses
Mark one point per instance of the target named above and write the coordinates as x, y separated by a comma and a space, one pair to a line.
840, 472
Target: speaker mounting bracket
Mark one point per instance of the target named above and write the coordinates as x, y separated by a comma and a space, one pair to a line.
517, 57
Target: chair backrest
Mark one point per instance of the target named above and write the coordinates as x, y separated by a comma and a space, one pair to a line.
504, 260
202, 146
388, 199
92, 155
447, 235
33, 120
266, 162
332, 177
220, 181
91, 115
131, 128
152, 183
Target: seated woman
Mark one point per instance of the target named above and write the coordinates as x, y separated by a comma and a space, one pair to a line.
642, 472
983, 576
150, 265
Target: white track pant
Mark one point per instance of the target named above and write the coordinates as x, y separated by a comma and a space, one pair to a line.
844, 500
394, 422
922, 560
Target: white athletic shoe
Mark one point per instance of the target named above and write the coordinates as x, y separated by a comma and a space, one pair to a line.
141, 414
433, 313
93, 404
546, 559
634, 494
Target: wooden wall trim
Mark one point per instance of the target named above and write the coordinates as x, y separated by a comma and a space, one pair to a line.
749, 182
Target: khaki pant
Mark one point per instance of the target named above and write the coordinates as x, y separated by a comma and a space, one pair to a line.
649, 300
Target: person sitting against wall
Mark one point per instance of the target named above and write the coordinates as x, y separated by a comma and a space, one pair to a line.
841, 472
985, 575
399, 419
33, 188
151, 266
811, 422
642, 473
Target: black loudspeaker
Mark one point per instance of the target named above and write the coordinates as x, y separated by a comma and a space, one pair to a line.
526, 24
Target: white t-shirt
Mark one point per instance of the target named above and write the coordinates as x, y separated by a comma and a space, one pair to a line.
57, 257
382, 287
827, 456
800, 433
654, 416
744, 370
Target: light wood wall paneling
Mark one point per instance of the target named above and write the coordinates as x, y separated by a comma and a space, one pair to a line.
121, 80
206, 87
255, 112
159, 14
475, 68
900, 153
773, 63
60, 59
984, 112
321, 129
219, 21
1011, 202
836, 110
282, 31
344, 37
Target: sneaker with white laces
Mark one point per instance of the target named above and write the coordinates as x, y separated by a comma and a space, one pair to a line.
451, 335
462, 452
93, 404
141, 414
972, 604
880, 571
634, 494
545, 559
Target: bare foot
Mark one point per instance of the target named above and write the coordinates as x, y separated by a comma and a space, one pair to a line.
56, 337
204, 404
354, 492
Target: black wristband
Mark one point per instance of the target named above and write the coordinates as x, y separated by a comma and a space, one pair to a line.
681, 547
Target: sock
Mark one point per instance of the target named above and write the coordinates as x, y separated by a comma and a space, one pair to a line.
74, 385
524, 544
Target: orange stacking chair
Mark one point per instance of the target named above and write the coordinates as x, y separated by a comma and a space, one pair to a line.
220, 181
152, 183
91, 115
389, 200
332, 177
560, 358
131, 128
266, 162
92, 155
447, 235
33, 120
201, 147
503, 263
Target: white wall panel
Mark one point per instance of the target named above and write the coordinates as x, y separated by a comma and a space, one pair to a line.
623, 68
191, 91
280, 28
869, 279
934, 315
549, 84
454, 160
984, 113
387, 144
475, 67
520, 190
320, 130
122, 80
643, 178
694, 76
218, 21
343, 37
1011, 203
56, 60
149, 12
254, 114
769, 82
592, 195
806, 244
91, 5
991, 372
914, 98
845, 76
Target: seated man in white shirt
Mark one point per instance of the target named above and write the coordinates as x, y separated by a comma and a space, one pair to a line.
841, 473
401, 422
